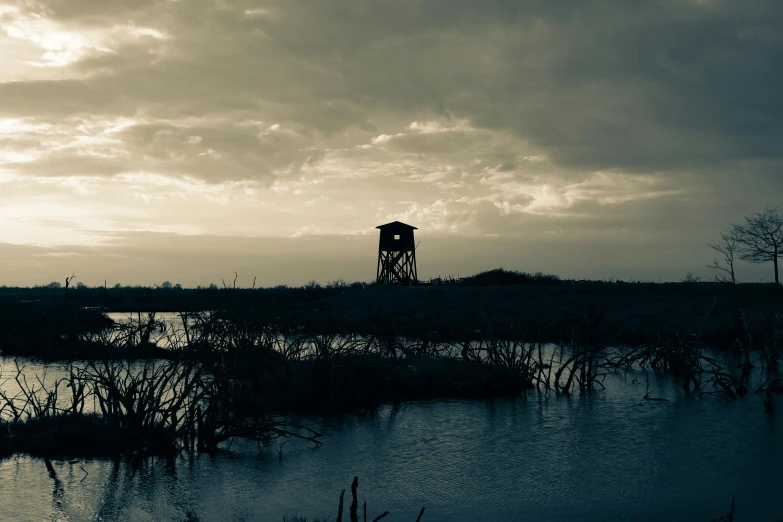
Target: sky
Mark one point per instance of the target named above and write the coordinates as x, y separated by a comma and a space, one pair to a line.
144, 141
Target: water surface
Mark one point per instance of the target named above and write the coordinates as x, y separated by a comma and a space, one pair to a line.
607, 456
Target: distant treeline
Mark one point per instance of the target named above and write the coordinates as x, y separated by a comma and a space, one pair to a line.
174, 297
496, 303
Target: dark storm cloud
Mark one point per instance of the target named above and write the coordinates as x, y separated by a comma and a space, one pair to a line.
635, 85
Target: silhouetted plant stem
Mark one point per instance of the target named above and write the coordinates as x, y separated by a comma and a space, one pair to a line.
340, 507
354, 508
355, 501
730, 516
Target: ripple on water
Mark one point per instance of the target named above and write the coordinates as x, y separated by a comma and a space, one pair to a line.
608, 456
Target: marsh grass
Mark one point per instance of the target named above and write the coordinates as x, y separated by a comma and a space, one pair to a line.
320, 371
150, 408
362, 382
59, 332
48, 330
85, 435
228, 373
637, 311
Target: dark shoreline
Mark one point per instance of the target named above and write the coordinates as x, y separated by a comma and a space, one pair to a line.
633, 313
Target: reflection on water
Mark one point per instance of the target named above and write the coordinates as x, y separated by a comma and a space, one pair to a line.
170, 336
609, 456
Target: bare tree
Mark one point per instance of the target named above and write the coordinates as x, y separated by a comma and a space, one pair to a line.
760, 239
727, 248
68, 281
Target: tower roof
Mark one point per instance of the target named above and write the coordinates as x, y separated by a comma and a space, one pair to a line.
396, 225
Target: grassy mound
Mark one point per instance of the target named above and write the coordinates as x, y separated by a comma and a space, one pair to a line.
501, 277
88, 435
360, 382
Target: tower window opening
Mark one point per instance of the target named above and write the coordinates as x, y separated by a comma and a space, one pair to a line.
396, 237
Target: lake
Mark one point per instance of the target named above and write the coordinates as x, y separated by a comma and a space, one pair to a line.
606, 456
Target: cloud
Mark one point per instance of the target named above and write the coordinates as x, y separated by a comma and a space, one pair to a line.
599, 85
297, 117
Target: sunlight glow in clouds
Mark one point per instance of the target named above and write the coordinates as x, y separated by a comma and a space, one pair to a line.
61, 46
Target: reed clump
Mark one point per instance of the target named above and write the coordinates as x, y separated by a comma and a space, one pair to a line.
287, 370
56, 332
86, 435
231, 369
354, 509
318, 370
113, 408
48, 331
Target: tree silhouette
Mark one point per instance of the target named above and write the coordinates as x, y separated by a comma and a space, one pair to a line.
68, 281
727, 247
760, 239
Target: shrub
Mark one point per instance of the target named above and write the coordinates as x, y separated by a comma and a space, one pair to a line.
501, 277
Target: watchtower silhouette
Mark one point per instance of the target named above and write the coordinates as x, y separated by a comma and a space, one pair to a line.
397, 254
